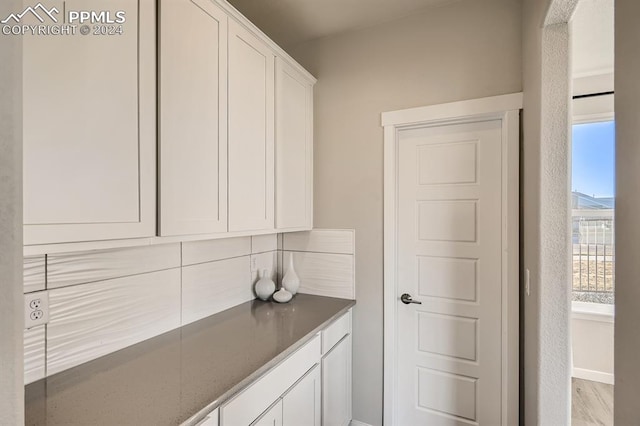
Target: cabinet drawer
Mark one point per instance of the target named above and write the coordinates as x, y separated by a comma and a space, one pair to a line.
248, 405
335, 332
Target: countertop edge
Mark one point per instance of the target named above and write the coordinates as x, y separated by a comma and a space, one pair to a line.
259, 373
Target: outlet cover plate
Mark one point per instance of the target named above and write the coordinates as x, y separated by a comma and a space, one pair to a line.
36, 309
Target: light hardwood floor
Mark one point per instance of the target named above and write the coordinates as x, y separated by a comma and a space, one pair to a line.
591, 403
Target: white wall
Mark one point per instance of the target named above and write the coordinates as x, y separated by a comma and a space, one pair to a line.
592, 342
11, 386
627, 336
463, 50
545, 212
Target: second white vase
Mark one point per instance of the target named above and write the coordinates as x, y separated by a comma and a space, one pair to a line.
265, 286
291, 282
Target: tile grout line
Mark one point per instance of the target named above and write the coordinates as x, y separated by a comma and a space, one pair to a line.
114, 278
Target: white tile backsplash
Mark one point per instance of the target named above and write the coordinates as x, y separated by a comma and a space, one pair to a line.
91, 320
104, 300
268, 261
98, 265
323, 274
320, 241
263, 243
194, 252
208, 288
34, 273
34, 354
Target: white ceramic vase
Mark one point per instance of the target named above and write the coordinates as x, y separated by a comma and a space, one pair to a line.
265, 286
282, 296
291, 282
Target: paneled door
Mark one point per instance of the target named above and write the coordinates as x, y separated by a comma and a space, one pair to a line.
193, 117
251, 131
449, 240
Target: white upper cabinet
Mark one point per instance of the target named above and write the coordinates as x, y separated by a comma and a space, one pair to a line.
234, 120
193, 117
294, 149
251, 131
90, 131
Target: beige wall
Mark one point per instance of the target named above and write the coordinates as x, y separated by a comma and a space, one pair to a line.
533, 13
11, 385
464, 50
627, 326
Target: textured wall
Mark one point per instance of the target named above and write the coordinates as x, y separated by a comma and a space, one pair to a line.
464, 50
627, 335
554, 275
11, 385
545, 211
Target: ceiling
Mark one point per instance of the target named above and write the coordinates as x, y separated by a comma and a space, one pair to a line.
289, 22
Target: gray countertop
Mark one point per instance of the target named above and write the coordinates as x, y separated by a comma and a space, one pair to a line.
180, 375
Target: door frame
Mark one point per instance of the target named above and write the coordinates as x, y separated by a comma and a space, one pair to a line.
505, 108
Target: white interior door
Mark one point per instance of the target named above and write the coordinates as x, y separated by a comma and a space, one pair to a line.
449, 242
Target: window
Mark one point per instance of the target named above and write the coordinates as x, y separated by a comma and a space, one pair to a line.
592, 199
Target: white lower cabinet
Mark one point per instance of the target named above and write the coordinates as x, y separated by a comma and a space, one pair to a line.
249, 405
336, 381
301, 405
272, 417
210, 420
312, 387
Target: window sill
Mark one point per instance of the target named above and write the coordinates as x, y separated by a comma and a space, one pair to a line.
593, 311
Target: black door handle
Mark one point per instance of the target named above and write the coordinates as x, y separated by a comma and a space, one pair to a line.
406, 299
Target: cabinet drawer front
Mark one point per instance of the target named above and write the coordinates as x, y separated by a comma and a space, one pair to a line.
335, 332
246, 407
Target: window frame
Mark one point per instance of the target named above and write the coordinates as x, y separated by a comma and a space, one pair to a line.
585, 110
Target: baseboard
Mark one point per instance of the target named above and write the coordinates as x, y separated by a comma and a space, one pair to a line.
358, 423
595, 376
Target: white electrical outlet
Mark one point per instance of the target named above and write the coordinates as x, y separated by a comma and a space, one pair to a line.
36, 309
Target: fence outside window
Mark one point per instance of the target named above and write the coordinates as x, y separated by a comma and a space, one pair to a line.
593, 237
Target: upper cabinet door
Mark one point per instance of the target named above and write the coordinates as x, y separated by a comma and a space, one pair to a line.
294, 149
90, 129
251, 132
193, 117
